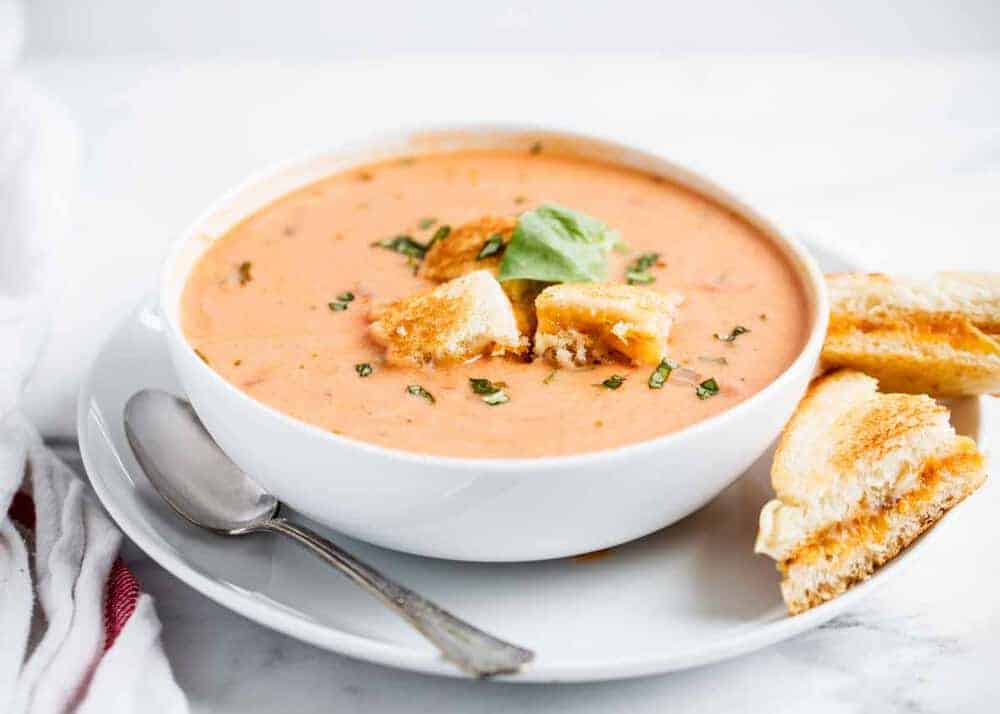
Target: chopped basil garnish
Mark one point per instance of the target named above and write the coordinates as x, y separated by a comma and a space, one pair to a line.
418, 391
337, 306
426, 223
661, 374
440, 234
493, 393
708, 388
498, 397
483, 386
364, 369
552, 375
733, 334
492, 246
638, 273
403, 244
244, 270
346, 296
612, 382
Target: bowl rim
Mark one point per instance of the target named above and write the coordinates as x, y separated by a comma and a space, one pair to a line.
805, 266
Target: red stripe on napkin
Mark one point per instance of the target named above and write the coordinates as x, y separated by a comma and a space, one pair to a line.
119, 601
121, 592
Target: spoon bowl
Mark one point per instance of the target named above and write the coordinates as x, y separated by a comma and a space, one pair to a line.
227, 501
192, 474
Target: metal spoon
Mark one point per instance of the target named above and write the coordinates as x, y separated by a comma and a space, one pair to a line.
203, 485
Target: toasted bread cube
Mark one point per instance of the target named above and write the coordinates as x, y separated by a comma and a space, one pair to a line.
458, 253
584, 322
462, 319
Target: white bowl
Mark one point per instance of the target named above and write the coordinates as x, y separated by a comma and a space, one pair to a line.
482, 509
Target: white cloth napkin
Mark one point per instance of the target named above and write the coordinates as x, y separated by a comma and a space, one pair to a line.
56, 574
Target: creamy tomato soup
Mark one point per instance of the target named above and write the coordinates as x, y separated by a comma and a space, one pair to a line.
260, 307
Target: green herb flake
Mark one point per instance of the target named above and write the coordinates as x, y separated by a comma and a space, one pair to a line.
497, 398
363, 369
552, 376
554, 244
639, 278
418, 391
440, 234
612, 382
733, 334
337, 306
493, 393
492, 246
426, 223
346, 296
244, 272
638, 273
708, 388
661, 374
403, 244
482, 386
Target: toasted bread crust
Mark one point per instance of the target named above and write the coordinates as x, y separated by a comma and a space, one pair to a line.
458, 254
586, 322
858, 475
939, 336
849, 553
464, 318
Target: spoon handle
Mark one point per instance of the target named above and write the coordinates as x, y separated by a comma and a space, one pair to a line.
474, 651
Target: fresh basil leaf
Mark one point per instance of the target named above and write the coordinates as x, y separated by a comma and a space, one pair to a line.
337, 306
554, 244
364, 369
345, 296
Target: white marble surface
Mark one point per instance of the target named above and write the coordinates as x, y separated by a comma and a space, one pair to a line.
897, 160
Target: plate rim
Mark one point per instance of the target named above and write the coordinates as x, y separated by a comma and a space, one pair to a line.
741, 640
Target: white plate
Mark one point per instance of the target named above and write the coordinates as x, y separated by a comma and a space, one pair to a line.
691, 594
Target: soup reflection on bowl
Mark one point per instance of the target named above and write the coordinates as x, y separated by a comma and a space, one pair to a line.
271, 295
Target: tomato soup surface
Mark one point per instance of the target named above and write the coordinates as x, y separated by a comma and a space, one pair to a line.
256, 307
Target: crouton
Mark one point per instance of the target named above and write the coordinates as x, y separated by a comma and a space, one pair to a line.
464, 318
458, 253
581, 323
937, 336
858, 476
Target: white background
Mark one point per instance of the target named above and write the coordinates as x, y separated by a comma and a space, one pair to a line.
366, 28
875, 125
